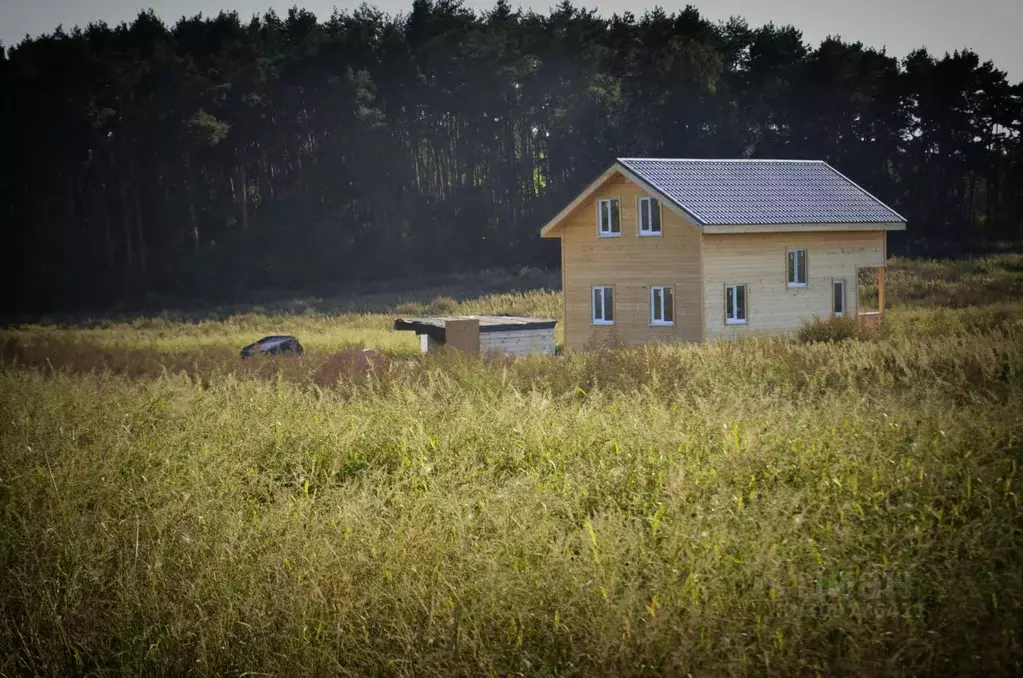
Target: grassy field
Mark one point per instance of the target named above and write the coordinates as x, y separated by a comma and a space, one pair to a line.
767, 507
322, 324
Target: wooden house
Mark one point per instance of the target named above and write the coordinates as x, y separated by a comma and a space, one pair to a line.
660, 250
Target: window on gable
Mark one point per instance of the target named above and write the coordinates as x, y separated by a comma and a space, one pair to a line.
735, 304
609, 218
649, 216
662, 306
603, 305
838, 298
797, 268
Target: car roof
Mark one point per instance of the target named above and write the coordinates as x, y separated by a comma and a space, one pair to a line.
277, 339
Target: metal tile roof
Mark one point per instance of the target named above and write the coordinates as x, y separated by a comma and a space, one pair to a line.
723, 192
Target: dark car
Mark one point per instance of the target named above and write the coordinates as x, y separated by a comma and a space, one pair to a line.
276, 345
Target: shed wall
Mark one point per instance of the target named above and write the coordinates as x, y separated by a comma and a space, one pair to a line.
519, 342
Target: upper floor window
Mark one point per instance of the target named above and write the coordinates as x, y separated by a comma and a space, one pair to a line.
797, 268
649, 216
609, 218
662, 306
603, 305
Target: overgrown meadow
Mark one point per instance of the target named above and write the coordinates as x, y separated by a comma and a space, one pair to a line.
767, 507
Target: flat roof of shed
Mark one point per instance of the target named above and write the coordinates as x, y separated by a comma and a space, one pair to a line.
434, 325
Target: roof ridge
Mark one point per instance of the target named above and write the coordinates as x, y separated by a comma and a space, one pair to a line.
751, 160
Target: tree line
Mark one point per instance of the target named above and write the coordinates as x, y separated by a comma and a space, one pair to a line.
216, 155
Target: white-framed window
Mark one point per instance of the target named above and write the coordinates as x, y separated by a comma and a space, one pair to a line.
838, 297
609, 218
735, 304
649, 210
603, 305
662, 305
797, 268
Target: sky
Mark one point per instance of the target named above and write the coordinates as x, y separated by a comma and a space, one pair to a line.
989, 27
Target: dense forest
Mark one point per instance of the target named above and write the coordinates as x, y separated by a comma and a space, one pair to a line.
217, 156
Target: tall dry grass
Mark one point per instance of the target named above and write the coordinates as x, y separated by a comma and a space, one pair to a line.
750, 508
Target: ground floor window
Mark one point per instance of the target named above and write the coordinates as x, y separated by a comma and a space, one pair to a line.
797, 268
838, 298
735, 304
662, 305
603, 305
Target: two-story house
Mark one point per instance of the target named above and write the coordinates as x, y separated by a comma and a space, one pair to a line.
687, 250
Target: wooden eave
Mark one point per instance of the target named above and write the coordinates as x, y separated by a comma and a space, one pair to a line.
802, 228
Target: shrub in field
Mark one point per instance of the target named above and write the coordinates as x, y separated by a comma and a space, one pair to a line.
410, 308
830, 329
442, 306
539, 303
956, 284
10, 350
609, 340
917, 322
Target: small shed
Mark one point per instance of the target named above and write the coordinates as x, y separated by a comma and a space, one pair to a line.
506, 334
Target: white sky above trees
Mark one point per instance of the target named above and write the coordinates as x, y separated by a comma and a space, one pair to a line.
989, 27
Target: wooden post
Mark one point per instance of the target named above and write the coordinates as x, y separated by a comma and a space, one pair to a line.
880, 290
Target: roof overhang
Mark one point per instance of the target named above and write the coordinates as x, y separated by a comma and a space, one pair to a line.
801, 228
436, 326
550, 228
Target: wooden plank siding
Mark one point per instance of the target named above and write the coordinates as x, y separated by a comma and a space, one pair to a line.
631, 264
759, 261
518, 342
